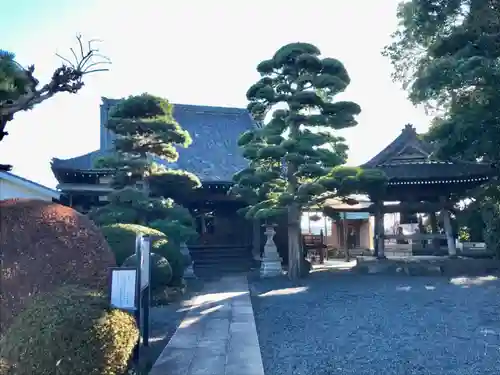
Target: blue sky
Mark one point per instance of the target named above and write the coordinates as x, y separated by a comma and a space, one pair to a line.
193, 52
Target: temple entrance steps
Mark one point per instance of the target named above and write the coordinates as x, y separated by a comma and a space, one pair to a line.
221, 260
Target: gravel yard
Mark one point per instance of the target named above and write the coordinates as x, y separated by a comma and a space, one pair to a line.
341, 323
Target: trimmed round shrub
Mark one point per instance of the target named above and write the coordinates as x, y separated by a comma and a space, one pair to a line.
121, 238
161, 272
44, 246
69, 331
175, 258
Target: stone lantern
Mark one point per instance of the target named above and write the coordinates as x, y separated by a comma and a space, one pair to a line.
188, 271
271, 262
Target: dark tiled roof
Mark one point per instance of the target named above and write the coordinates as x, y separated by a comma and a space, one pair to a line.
214, 154
435, 170
81, 163
408, 137
409, 157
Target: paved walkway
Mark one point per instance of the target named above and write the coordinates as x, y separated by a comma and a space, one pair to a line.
218, 335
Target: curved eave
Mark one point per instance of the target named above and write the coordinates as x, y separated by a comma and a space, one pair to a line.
62, 174
478, 180
216, 183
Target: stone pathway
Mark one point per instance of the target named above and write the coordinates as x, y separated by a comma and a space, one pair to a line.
218, 335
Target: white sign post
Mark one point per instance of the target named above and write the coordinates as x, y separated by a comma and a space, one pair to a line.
145, 261
143, 253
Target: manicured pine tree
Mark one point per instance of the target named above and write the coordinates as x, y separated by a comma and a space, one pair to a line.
146, 134
295, 153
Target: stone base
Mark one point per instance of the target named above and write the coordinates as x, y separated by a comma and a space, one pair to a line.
270, 268
427, 266
189, 272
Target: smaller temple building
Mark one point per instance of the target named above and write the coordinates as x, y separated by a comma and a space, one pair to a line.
419, 182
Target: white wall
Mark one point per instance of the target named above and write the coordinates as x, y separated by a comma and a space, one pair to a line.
9, 190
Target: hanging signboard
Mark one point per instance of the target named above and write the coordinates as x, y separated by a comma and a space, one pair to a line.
357, 215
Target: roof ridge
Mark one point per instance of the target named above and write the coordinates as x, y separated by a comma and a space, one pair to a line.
106, 100
210, 107
408, 134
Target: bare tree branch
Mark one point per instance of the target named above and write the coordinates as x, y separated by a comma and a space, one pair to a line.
65, 59
74, 55
67, 78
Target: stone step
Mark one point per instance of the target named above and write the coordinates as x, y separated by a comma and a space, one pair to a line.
210, 250
212, 270
214, 261
225, 255
224, 261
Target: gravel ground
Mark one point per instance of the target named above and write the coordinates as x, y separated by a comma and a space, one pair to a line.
336, 323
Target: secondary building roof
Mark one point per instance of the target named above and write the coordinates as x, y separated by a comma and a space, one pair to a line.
28, 184
410, 159
214, 155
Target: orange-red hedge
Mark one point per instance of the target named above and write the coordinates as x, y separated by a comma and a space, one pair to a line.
44, 246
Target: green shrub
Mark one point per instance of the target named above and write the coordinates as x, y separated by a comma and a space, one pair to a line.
161, 272
177, 261
70, 331
121, 238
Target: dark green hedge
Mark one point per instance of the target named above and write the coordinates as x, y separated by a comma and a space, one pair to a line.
70, 331
161, 271
121, 238
175, 258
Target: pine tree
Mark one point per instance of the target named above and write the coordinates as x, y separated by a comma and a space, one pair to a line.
20, 91
146, 138
295, 153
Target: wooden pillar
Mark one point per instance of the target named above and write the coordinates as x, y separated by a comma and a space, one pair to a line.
256, 239
322, 248
325, 221
346, 235
450, 240
379, 230
434, 230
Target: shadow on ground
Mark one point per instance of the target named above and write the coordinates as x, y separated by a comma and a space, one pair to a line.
164, 321
340, 322
187, 316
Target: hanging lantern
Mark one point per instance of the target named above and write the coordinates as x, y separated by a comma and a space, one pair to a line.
315, 217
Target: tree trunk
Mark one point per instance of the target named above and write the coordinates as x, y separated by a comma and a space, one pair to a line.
3, 124
295, 251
